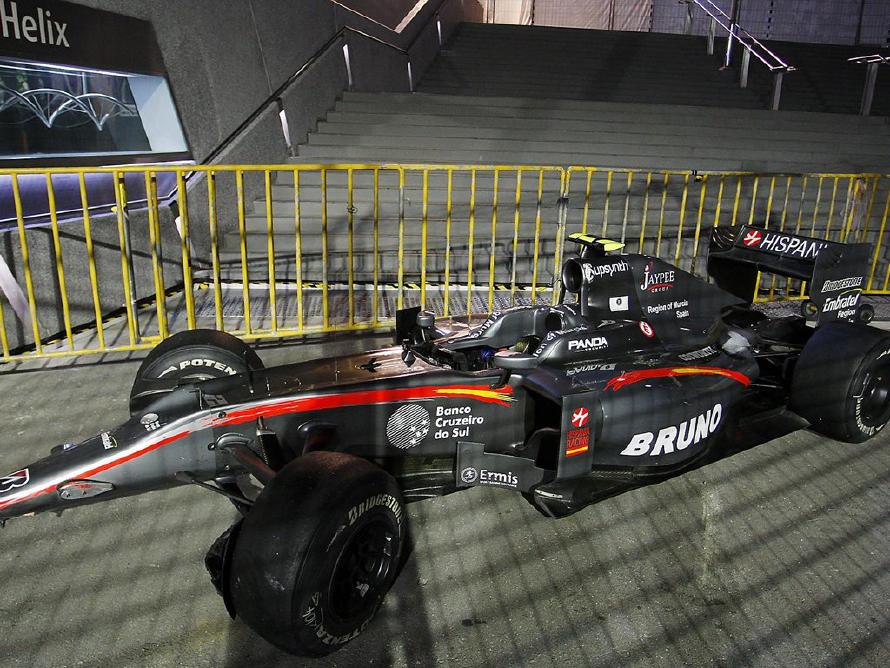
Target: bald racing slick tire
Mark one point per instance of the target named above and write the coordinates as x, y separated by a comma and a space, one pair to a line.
191, 356
841, 382
317, 552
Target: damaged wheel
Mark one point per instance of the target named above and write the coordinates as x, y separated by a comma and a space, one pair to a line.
318, 552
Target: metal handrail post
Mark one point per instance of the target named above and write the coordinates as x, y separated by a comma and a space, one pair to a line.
131, 273
712, 31
729, 37
743, 73
777, 90
687, 20
733, 24
868, 91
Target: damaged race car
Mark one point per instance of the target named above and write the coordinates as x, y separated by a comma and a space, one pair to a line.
639, 371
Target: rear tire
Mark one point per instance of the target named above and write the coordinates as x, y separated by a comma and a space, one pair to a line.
191, 356
841, 382
318, 552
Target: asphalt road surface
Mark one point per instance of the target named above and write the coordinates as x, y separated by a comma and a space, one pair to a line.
777, 556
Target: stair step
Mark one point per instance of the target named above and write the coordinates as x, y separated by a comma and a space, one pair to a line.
558, 129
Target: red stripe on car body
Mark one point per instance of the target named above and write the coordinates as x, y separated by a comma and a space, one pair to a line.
631, 377
482, 393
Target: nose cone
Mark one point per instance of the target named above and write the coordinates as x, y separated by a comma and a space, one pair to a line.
26, 491
55, 481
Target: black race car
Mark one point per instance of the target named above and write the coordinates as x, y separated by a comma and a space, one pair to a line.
643, 372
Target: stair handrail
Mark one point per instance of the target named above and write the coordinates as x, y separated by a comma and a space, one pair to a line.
873, 60
275, 96
751, 45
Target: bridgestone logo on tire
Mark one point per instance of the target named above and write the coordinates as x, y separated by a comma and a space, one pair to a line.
384, 500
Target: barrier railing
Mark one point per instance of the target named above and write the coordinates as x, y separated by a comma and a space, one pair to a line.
271, 251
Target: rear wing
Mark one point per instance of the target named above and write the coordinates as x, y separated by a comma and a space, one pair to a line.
835, 272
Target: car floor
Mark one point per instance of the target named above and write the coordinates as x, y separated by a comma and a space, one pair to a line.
778, 556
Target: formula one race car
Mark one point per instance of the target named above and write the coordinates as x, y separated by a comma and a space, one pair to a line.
643, 372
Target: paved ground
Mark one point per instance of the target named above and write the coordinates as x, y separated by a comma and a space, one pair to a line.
776, 557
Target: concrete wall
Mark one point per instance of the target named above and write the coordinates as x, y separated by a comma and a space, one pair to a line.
225, 59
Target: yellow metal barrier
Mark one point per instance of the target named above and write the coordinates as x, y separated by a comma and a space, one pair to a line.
123, 256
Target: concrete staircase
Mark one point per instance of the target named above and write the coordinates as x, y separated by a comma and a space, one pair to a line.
465, 129
824, 80
624, 121
608, 66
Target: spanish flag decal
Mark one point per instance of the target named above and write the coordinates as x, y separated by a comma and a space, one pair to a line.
631, 377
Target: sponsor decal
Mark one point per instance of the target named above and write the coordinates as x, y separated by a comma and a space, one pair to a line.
385, 500
845, 303
698, 354
657, 281
550, 336
631, 377
13, 480
32, 28
675, 437
647, 330
782, 244
469, 475
150, 421
589, 343
592, 272
313, 617
610, 366
408, 426
498, 478
199, 363
455, 421
577, 441
842, 284
679, 308
485, 326
752, 238
618, 303
580, 417
108, 441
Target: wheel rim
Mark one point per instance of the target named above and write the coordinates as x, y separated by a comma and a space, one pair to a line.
362, 568
876, 397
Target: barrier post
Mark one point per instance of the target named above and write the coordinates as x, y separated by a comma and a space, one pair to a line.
214, 249
242, 237
129, 280
562, 208
492, 246
26, 263
516, 217
188, 288
60, 265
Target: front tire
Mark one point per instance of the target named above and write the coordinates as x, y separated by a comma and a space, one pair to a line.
841, 382
191, 356
318, 552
